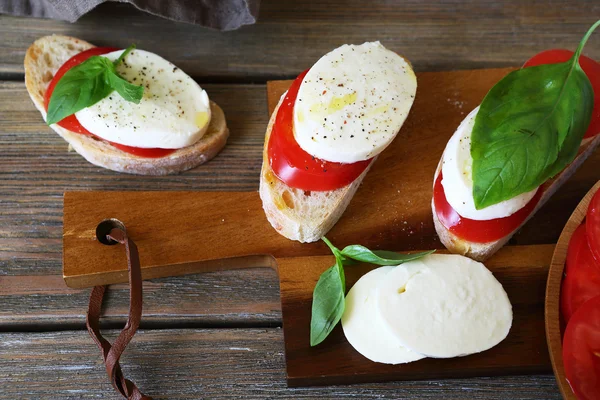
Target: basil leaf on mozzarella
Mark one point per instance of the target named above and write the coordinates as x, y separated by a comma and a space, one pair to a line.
529, 127
328, 295
174, 111
86, 84
80, 87
457, 179
127, 91
352, 103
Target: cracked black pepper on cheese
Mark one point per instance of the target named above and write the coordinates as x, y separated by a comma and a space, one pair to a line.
352, 102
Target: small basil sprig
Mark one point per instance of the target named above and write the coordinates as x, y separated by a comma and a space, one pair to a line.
330, 291
87, 83
529, 128
379, 257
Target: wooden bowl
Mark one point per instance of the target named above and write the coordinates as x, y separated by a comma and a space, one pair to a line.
552, 308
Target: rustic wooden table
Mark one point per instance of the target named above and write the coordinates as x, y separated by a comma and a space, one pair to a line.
218, 335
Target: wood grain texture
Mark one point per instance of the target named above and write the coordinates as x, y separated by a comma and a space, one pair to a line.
220, 299
35, 170
291, 36
552, 305
391, 209
336, 362
35, 160
210, 364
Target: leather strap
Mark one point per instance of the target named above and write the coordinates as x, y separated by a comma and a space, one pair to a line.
112, 353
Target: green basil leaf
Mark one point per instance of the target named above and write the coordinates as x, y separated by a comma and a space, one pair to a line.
334, 250
328, 304
380, 257
329, 293
528, 128
127, 90
339, 263
81, 86
340, 260
124, 54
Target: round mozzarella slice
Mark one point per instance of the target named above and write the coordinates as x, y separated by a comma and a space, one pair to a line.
444, 306
363, 326
174, 112
353, 102
457, 178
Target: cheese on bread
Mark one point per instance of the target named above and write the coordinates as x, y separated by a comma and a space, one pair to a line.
47, 54
352, 103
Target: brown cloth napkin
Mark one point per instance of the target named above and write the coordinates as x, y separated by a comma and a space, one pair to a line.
224, 15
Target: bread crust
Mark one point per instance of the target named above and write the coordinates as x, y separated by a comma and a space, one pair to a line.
298, 214
47, 54
482, 251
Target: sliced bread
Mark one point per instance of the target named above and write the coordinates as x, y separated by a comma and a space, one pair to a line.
482, 251
298, 214
47, 54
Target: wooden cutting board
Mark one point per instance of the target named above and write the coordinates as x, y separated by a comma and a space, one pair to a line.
391, 209
189, 232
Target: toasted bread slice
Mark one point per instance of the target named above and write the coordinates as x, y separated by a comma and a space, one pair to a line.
298, 214
482, 251
47, 54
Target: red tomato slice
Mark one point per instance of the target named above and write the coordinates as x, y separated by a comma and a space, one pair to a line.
295, 166
581, 351
593, 225
474, 230
591, 69
71, 123
582, 275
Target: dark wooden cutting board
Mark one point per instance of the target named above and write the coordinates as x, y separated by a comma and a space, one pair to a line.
189, 232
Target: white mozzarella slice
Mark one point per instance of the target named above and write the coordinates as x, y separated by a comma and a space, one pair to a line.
457, 178
363, 326
444, 306
352, 102
174, 112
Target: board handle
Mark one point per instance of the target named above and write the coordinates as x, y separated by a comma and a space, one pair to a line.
110, 232
111, 353
191, 267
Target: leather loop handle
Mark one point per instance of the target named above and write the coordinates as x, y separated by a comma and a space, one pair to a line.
112, 353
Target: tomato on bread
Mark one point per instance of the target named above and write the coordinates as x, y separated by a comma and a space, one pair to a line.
296, 167
72, 123
509, 156
327, 131
118, 142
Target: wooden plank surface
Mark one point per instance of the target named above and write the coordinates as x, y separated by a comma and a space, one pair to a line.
220, 299
211, 364
391, 210
35, 170
522, 271
291, 36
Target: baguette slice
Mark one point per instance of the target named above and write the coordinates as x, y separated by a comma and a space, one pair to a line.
482, 251
47, 54
298, 214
